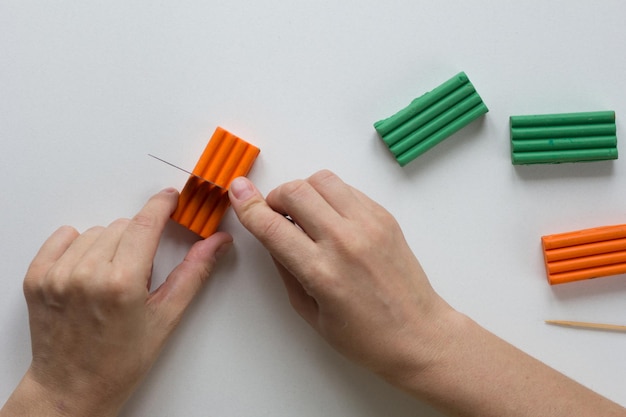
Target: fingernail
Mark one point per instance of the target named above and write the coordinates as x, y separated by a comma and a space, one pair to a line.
223, 250
241, 188
169, 190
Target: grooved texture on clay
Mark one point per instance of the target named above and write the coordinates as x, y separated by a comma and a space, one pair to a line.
565, 137
431, 118
202, 205
585, 254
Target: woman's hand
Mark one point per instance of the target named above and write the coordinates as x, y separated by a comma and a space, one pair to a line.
96, 328
348, 271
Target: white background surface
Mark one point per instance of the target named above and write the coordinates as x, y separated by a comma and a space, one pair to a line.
88, 88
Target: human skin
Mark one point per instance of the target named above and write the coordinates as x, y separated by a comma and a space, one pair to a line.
350, 274
96, 328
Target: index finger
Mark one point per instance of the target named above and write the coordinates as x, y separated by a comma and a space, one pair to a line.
287, 243
52, 249
307, 206
339, 195
139, 242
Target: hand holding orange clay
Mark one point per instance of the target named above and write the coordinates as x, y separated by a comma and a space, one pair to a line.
204, 199
350, 274
96, 328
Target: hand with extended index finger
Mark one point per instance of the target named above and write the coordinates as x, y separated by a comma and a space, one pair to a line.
347, 268
350, 273
96, 328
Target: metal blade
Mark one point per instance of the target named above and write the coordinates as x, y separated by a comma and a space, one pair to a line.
188, 172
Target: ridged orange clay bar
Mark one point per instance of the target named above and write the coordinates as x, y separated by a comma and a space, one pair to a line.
589, 273
580, 237
587, 262
585, 254
586, 249
202, 205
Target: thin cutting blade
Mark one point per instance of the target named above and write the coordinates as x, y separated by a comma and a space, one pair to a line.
188, 172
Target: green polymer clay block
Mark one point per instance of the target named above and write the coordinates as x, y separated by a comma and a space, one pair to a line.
565, 137
431, 118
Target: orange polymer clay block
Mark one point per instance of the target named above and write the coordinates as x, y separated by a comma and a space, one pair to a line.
202, 204
585, 254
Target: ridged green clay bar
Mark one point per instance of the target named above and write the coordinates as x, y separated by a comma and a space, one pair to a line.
431, 118
578, 155
550, 132
564, 119
440, 135
566, 137
535, 145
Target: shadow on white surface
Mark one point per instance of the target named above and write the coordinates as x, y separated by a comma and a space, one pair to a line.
542, 172
614, 286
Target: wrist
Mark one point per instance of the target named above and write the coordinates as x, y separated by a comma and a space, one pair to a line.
35, 399
424, 348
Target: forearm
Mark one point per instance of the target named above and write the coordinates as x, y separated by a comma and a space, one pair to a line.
351, 275
475, 373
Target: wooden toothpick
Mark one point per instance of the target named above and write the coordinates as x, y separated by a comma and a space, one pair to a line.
584, 325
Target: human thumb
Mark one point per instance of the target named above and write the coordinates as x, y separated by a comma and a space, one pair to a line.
186, 280
250, 207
